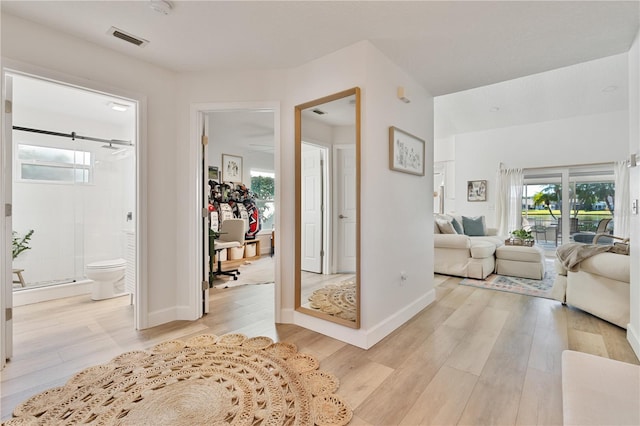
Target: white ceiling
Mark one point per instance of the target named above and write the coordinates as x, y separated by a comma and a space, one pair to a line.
594, 87
43, 95
448, 46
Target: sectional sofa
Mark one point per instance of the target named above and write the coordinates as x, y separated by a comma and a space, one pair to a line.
464, 246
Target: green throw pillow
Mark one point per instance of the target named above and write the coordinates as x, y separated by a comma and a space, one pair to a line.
457, 226
474, 226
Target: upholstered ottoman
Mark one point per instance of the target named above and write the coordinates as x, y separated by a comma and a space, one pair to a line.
520, 261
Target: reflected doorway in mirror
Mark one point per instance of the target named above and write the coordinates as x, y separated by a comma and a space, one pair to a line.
327, 250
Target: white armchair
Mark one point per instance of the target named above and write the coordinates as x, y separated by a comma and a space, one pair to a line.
598, 284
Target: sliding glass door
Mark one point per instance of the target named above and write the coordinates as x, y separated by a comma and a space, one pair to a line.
590, 191
542, 207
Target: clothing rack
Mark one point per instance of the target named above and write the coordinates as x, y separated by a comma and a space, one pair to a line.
73, 136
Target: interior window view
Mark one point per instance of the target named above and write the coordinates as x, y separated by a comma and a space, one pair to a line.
320, 212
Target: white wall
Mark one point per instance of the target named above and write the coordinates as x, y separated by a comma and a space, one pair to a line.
100, 68
251, 158
73, 224
172, 180
578, 140
384, 303
633, 331
399, 238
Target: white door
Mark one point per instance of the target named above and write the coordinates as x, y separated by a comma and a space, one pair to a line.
345, 220
312, 196
6, 304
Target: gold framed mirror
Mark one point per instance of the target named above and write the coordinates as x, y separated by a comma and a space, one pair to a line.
327, 170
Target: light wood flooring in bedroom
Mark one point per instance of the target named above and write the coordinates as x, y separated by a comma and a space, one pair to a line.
475, 356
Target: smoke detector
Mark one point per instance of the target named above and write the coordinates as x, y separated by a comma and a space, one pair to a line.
161, 6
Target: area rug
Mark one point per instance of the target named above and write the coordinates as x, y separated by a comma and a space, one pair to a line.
261, 271
538, 288
207, 379
338, 300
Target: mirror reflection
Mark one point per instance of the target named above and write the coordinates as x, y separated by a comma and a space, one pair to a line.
327, 184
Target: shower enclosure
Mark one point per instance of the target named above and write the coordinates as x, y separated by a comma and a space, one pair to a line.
74, 189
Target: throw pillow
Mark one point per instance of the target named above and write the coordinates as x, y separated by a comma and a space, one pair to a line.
457, 226
446, 227
474, 226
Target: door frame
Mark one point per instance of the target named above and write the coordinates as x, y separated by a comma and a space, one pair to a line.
21, 68
6, 292
197, 114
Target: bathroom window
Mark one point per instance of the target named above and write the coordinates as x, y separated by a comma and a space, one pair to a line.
47, 164
263, 185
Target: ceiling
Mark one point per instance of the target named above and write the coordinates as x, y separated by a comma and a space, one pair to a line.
447, 46
455, 48
39, 94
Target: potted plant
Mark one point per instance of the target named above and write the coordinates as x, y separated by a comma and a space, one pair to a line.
20, 244
522, 237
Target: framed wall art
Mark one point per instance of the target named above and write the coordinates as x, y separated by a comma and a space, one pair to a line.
406, 152
213, 173
477, 190
231, 168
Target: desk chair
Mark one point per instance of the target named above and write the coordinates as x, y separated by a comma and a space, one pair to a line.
231, 235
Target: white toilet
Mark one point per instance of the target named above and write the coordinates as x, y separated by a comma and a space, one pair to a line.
106, 275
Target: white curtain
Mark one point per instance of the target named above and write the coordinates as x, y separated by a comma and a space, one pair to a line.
622, 200
509, 201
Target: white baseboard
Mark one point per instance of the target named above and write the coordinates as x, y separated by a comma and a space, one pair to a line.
52, 292
388, 325
286, 316
162, 316
363, 338
634, 339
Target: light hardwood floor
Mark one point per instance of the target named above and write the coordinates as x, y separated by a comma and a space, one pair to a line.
474, 356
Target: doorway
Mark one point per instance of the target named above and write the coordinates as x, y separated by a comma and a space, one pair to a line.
245, 138
73, 187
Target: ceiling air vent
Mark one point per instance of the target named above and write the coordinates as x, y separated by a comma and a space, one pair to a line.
130, 38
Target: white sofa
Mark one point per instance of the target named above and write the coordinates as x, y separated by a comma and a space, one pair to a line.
462, 255
598, 285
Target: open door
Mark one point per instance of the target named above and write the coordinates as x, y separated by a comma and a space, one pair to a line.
345, 208
6, 304
206, 225
312, 208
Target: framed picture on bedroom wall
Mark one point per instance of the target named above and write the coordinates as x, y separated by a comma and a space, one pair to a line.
213, 173
477, 190
231, 168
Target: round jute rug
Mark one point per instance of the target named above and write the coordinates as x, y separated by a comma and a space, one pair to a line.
336, 299
206, 380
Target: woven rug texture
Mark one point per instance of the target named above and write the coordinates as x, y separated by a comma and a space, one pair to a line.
538, 288
206, 380
338, 300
